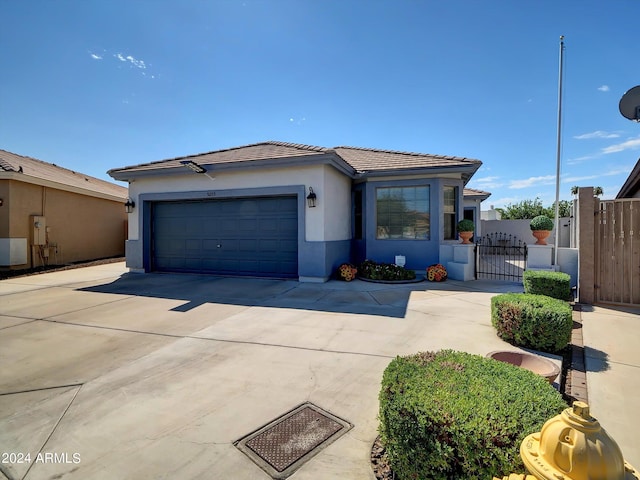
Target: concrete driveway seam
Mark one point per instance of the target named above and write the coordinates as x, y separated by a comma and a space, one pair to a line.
29, 390
53, 430
26, 320
221, 340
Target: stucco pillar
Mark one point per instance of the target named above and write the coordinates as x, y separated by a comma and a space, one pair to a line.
586, 245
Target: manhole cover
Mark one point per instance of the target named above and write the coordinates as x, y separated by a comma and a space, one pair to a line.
283, 445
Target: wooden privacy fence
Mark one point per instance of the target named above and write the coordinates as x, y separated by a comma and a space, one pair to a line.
617, 251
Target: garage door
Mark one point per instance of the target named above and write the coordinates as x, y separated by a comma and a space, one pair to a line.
242, 236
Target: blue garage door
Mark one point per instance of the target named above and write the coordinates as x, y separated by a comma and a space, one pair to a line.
255, 236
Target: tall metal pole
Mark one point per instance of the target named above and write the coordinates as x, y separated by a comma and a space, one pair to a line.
558, 150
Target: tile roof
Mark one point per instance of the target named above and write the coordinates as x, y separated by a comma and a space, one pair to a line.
370, 160
245, 153
37, 169
361, 160
472, 192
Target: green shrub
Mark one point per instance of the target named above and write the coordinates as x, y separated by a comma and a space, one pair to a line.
541, 222
452, 415
384, 271
466, 226
551, 284
534, 321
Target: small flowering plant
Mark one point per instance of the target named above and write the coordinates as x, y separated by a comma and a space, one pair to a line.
385, 271
347, 272
436, 273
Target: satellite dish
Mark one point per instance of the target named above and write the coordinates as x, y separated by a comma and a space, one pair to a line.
630, 104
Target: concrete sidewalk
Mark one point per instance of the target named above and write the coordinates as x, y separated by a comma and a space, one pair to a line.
612, 358
155, 376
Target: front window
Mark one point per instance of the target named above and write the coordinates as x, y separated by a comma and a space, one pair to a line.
403, 213
450, 212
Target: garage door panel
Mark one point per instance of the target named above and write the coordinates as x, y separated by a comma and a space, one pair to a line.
288, 246
170, 225
170, 247
193, 226
257, 236
267, 225
248, 225
248, 245
288, 225
210, 245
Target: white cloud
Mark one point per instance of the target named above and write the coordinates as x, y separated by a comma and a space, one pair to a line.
579, 179
132, 60
577, 160
604, 88
630, 144
596, 134
609, 173
502, 202
95, 56
486, 179
487, 182
532, 181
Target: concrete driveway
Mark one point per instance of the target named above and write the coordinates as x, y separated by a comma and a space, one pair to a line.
110, 375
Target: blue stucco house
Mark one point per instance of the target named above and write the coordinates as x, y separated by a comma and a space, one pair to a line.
287, 210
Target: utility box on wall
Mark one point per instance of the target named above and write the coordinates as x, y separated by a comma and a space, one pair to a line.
39, 225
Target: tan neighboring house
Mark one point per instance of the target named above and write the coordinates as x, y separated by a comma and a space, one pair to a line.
51, 215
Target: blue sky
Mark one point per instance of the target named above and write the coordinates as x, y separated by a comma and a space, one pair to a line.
92, 85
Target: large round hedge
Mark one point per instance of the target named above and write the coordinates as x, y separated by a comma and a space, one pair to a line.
451, 415
534, 321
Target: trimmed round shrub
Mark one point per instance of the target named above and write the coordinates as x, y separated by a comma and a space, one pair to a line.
533, 321
551, 284
466, 225
541, 222
452, 415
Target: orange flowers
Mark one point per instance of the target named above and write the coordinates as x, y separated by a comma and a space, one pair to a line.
347, 271
436, 273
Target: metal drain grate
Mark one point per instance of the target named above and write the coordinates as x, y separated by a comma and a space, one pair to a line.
286, 443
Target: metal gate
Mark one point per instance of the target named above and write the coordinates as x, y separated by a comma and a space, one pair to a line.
500, 256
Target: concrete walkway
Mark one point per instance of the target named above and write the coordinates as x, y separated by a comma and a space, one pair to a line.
113, 375
612, 358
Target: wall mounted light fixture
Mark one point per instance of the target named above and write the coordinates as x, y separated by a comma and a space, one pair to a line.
129, 205
311, 198
1, 202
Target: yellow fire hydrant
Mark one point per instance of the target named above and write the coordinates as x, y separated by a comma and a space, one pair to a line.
573, 446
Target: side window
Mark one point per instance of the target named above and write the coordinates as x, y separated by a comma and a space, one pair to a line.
450, 212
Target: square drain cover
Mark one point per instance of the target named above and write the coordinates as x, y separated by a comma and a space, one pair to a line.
285, 444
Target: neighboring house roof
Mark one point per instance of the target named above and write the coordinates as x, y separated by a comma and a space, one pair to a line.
352, 160
632, 185
30, 170
475, 194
